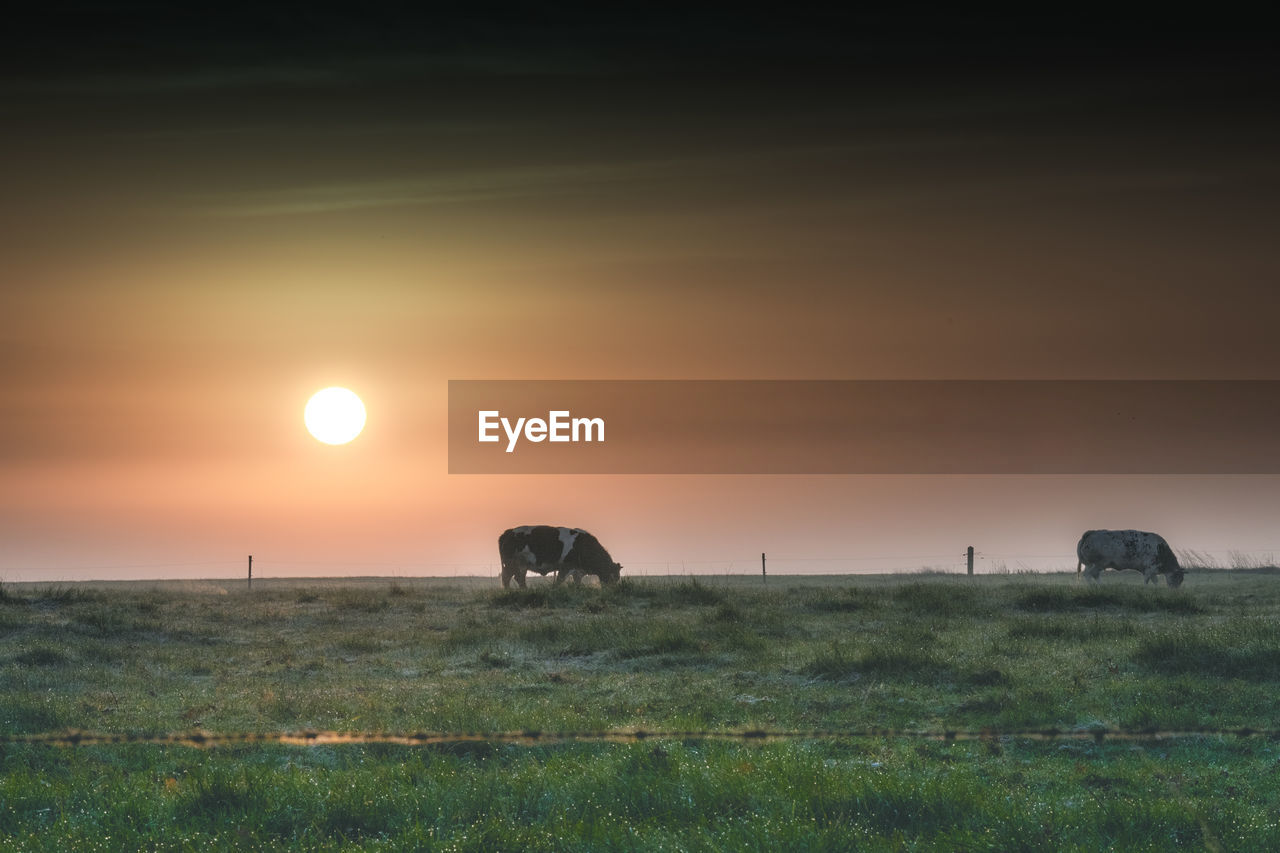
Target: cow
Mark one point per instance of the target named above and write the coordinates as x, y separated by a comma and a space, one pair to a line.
542, 548
1127, 549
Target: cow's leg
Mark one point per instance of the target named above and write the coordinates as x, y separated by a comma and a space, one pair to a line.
1150, 576
559, 576
1092, 571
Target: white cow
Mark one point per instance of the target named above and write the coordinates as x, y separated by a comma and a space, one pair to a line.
542, 548
1127, 549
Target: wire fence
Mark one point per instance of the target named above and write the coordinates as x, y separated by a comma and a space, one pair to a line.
529, 737
986, 562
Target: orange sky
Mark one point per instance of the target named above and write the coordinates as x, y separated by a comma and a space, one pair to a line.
194, 242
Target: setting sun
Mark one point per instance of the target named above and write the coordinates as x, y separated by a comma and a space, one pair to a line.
334, 415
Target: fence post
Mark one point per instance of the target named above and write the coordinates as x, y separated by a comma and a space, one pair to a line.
763, 577
970, 553
250, 571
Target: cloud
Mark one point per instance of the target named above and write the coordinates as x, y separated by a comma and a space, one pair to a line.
450, 188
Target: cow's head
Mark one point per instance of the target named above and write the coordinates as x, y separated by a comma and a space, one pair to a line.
611, 574
1167, 562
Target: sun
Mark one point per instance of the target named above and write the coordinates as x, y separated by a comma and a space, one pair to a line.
334, 415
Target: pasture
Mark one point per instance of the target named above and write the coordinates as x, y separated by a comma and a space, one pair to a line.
715, 653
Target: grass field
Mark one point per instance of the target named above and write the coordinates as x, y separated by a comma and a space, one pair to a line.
850, 652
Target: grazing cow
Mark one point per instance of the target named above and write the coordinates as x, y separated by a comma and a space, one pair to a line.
1127, 549
542, 548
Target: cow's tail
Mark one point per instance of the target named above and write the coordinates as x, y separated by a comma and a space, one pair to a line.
1079, 568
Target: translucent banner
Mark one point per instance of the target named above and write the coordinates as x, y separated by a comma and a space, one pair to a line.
863, 427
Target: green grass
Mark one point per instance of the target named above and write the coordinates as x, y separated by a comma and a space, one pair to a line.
1131, 598
676, 654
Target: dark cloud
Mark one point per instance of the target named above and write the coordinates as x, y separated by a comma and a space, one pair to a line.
211, 41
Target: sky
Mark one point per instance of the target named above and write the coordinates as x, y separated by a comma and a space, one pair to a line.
209, 215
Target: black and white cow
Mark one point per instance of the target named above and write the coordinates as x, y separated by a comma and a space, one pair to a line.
1127, 549
542, 548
